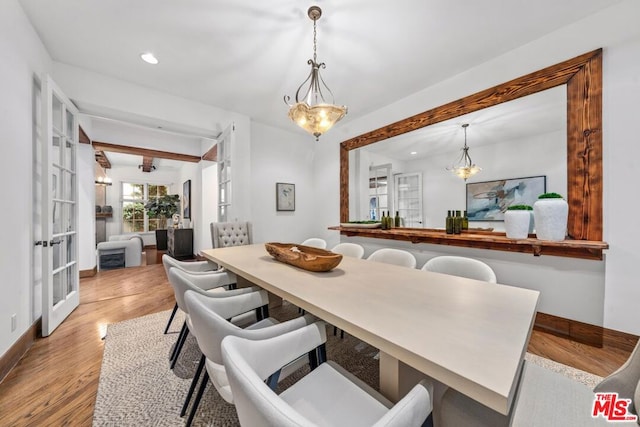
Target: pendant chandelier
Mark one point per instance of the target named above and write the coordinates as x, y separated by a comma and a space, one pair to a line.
464, 167
311, 111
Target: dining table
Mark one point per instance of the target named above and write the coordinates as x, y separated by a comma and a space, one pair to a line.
462, 333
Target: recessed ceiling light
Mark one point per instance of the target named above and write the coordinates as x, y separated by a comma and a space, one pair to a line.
149, 58
413, 153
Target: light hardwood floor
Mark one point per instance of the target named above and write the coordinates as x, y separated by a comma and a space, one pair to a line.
56, 382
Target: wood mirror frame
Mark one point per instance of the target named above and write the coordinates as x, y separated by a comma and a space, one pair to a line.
583, 77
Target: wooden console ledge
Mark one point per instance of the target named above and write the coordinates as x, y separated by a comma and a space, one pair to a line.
586, 249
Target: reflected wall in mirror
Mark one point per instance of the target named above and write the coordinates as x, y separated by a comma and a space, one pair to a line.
579, 141
523, 137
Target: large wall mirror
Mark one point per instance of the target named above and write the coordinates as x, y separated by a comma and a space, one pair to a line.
554, 112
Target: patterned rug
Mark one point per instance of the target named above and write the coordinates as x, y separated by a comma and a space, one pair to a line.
137, 388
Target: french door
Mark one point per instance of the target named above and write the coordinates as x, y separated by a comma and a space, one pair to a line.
409, 198
60, 275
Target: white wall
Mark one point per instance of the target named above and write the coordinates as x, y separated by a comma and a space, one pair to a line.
23, 58
281, 156
616, 30
191, 171
544, 154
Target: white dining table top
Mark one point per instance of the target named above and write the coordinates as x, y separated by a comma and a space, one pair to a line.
467, 334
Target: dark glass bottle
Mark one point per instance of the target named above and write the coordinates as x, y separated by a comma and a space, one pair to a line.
385, 223
449, 223
465, 221
457, 223
397, 219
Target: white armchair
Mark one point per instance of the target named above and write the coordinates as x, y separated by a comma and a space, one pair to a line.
212, 287
315, 242
328, 395
210, 328
123, 250
193, 269
461, 266
394, 256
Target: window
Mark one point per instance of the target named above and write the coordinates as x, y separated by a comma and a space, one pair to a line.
134, 197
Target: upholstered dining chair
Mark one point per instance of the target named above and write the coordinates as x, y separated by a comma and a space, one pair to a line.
210, 327
225, 234
193, 267
461, 266
212, 287
315, 242
394, 256
353, 250
547, 398
328, 395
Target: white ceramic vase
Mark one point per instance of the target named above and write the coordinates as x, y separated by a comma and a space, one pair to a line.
551, 219
516, 224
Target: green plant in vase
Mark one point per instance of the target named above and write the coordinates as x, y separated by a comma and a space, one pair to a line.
551, 213
163, 207
517, 221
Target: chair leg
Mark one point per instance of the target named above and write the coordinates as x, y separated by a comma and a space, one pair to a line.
192, 387
173, 313
313, 359
341, 334
180, 344
322, 353
175, 347
194, 408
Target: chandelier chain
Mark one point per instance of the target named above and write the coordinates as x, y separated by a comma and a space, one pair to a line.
314, 41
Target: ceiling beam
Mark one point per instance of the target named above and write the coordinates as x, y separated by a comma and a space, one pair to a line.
83, 138
147, 164
211, 154
145, 152
102, 159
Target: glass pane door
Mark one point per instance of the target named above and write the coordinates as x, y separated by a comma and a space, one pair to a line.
60, 292
409, 199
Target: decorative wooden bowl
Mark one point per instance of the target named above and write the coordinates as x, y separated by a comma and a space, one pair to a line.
305, 257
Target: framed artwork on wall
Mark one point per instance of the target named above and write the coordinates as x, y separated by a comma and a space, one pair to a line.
186, 199
285, 197
487, 201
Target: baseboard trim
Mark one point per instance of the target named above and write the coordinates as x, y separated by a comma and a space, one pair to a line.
18, 349
89, 273
585, 333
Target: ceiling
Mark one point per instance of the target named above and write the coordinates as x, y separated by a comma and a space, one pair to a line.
244, 56
516, 120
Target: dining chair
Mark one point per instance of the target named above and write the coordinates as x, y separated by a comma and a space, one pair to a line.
393, 256
212, 287
547, 398
196, 267
461, 266
224, 234
210, 326
353, 250
328, 395
315, 242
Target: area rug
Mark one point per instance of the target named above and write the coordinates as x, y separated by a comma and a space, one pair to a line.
137, 388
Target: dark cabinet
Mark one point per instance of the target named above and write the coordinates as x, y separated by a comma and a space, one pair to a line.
180, 243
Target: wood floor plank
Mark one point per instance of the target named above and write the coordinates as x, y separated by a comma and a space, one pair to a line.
56, 382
